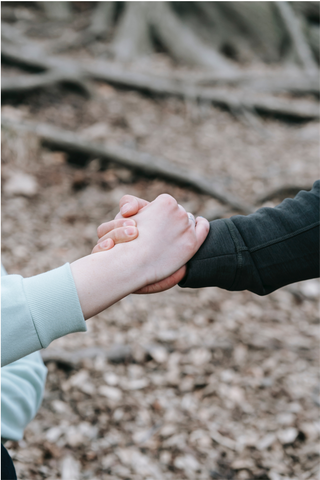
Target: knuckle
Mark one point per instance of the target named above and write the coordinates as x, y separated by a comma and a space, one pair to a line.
167, 199
126, 199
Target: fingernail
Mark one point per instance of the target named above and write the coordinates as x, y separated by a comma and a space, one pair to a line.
106, 243
125, 208
130, 231
128, 223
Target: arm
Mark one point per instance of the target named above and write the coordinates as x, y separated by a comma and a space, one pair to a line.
22, 385
167, 238
38, 309
262, 252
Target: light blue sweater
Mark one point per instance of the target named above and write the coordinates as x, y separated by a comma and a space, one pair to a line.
34, 312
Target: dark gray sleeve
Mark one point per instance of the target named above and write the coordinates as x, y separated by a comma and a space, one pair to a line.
263, 251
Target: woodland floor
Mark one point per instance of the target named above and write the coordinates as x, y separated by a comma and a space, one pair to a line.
219, 385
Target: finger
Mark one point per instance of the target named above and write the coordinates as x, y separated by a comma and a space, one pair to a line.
116, 223
165, 284
202, 230
120, 235
130, 205
106, 245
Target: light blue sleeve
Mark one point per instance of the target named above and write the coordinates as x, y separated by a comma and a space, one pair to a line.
22, 386
37, 310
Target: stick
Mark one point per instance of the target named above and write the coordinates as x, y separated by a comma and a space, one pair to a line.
116, 354
132, 159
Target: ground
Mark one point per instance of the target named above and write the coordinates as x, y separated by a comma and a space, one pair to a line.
217, 384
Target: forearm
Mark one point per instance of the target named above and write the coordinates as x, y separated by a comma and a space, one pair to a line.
263, 251
104, 278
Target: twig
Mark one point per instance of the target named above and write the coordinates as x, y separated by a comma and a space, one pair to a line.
224, 441
132, 159
299, 42
116, 354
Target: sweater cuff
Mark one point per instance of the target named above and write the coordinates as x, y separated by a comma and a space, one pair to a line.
215, 263
54, 304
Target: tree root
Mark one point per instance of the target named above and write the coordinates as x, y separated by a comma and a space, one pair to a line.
33, 55
182, 43
293, 26
25, 83
148, 164
132, 38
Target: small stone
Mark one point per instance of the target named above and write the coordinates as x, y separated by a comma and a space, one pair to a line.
53, 434
20, 183
108, 461
111, 379
286, 418
265, 442
240, 464
187, 462
310, 431
158, 353
74, 437
110, 392
287, 436
137, 384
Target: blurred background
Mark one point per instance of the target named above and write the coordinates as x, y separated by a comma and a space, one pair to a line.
215, 103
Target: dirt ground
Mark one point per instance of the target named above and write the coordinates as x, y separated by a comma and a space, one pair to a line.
208, 384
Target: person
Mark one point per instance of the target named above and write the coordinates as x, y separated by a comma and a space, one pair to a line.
260, 252
39, 309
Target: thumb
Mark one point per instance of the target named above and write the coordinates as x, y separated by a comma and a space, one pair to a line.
202, 230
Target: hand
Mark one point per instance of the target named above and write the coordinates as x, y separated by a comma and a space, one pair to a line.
131, 205
167, 239
168, 212
117, 231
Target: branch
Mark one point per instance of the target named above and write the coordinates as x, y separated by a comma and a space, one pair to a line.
148, 164
299, 42
33, 55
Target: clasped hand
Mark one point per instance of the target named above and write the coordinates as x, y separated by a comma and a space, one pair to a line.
167, 234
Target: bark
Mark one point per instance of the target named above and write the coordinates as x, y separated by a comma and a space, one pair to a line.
293, 26
182, 43
132, 38
143, 162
